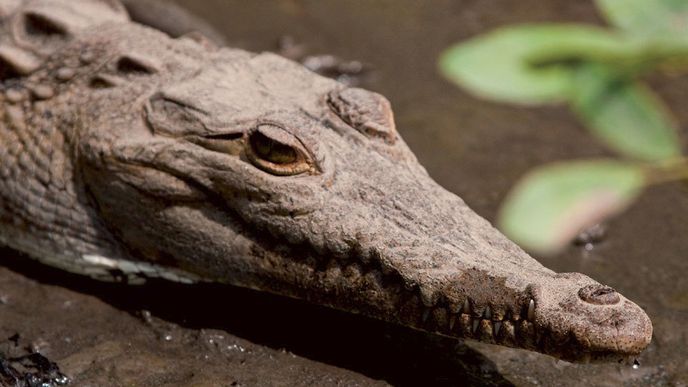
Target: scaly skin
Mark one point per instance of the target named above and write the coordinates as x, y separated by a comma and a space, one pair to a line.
127, 154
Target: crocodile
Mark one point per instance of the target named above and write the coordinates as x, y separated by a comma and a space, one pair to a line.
129, 155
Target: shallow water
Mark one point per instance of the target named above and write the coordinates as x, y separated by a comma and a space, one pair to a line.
219, 336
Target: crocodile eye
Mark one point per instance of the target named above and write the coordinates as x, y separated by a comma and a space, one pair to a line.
277, 151
272, 151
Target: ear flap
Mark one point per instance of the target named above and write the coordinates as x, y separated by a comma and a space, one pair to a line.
15, 62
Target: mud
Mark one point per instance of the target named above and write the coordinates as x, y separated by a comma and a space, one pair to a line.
172, 335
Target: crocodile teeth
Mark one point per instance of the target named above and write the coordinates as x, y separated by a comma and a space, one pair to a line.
476, 323
487, 315
427, 297
466, 307
531, 310
497, 326
630, 361
452, 321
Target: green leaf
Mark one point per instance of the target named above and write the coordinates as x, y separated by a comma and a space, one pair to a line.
551, 205
661, 18
529, 64
624, 114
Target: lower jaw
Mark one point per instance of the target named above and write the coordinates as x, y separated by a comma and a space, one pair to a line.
516, 333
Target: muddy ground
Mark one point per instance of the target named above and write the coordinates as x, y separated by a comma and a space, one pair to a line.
172, 335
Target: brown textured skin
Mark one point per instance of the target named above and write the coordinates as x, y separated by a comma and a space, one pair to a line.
127, 154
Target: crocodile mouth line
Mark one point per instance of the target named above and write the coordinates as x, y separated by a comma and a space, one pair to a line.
511, 329
345, 279
403, 302
514, 328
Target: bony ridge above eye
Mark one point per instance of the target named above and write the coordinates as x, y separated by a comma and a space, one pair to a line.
367, 112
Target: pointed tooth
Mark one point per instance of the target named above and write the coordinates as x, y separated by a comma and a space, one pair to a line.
531, 310
476, 323
466, 307
427, 297
497, 326
487, 314
452, 321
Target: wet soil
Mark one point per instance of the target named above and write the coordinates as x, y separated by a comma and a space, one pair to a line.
173, 335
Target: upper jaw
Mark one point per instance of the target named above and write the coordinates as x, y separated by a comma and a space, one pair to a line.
461, 290
581, 320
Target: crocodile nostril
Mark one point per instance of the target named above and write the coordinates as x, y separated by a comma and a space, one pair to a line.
599, 295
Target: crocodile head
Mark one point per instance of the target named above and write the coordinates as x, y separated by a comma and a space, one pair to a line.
250, 170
